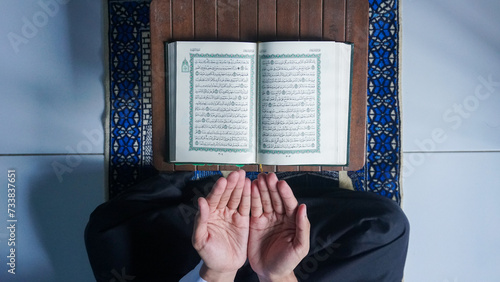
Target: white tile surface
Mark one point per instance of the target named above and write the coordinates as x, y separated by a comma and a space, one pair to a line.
51, 75
449, 48
451, 201
52, 213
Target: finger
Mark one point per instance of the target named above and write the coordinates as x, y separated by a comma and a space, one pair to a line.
201, 224
235, 198
232, 180
302, 231
215, 195
265, 197
272, 182
289, 202
244, 208
256, 201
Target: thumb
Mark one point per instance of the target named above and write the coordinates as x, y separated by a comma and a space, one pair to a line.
200, 233
302, 231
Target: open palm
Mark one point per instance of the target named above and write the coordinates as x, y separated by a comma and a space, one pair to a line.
279, 228
222, 225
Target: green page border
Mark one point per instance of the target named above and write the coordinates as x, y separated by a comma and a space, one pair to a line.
318, 105
252, 94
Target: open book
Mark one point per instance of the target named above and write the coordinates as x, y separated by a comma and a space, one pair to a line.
275, 103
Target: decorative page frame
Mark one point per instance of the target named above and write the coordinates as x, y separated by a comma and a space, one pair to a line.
251, 127
318, 105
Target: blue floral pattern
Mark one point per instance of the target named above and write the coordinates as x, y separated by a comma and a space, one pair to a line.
381, 173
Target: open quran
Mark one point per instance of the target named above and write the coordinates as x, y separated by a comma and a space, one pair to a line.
275, 103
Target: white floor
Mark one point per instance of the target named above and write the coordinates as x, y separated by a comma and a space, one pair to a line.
451, 139
52, 93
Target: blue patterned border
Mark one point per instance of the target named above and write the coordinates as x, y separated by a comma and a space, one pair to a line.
130, 156
130, 116
381, 173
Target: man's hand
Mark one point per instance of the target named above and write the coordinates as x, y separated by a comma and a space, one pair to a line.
222, 227
279, 230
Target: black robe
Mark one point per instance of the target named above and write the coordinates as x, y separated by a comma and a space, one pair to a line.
144, 234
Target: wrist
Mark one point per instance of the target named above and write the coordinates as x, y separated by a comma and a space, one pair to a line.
212, 275
281, 278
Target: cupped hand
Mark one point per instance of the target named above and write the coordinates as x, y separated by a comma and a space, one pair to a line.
279, 230
222, 227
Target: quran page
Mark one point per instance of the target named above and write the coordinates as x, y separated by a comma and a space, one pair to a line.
303, 107
212, 102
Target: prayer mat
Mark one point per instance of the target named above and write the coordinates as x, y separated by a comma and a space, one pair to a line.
129, 106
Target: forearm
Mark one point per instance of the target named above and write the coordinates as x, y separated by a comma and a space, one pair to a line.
287, 278
211, 275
